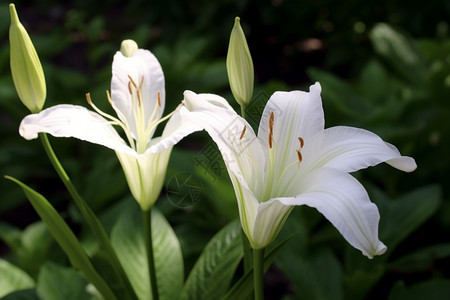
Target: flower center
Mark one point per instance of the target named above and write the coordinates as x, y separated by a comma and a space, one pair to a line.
280, 175
145, 122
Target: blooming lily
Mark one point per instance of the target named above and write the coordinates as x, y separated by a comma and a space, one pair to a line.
138, 97
294, 161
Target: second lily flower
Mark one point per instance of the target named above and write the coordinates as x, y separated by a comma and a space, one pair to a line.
294, 161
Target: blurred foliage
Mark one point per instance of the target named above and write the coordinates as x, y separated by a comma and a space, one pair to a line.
384, 67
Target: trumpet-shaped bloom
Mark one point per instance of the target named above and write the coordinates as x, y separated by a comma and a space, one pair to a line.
138, 97
293, 161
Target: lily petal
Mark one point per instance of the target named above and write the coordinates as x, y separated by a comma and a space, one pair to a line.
73, 121
143, 67
145, 174
175, 130
345, 203
296, 115
350, 149
241, 150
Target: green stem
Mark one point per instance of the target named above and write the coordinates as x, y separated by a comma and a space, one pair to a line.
258, 273
89, 216
248, 264
147, 218
247, 253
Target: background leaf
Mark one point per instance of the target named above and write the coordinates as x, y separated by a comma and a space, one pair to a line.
13, 279
127, 239
56, 282
213, 271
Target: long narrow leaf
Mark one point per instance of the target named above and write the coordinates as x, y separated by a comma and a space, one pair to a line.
65, 238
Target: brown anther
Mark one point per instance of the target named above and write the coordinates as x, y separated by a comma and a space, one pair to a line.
132, 81
299, 155
129, 88
159, 98
243, 132
142, 82
302, 142
271, 119
88, 98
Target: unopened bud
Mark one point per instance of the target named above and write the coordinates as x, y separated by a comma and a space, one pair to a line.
26, 68
240, 66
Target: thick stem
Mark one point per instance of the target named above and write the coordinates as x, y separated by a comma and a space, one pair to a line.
258, 273
147, 218
247, 253
88, 216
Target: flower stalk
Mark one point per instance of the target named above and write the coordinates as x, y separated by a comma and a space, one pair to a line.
258, 273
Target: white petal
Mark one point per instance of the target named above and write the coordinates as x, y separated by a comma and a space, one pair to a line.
345, 203
145, 174
270, 218
73, 121
241, 149
143, 65
350, 149
175, 130
297, 115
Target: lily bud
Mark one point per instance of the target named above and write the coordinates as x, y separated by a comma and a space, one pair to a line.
240, 66
128, 47
26, 68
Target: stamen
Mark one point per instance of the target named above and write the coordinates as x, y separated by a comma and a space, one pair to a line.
129, 88
141, 83
108, 96
299, 155
139, 97
159, 98
88, 98
302, 142
243, 132
132, 81
271, 119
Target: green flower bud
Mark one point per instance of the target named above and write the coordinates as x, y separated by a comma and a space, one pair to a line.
26, 68
240, 66
128, 47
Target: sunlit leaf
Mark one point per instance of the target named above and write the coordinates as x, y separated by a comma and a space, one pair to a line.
128, 240
13, 279
56, 282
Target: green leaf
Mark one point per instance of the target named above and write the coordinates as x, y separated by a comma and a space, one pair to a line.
400, 217
421, 260
214, 269
13, 279
314, 276
399, 51
128, 240
56, 282
29, 294
434, 289
65, 238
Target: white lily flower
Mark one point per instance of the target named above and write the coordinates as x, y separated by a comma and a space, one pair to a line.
293, 161
138, 97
